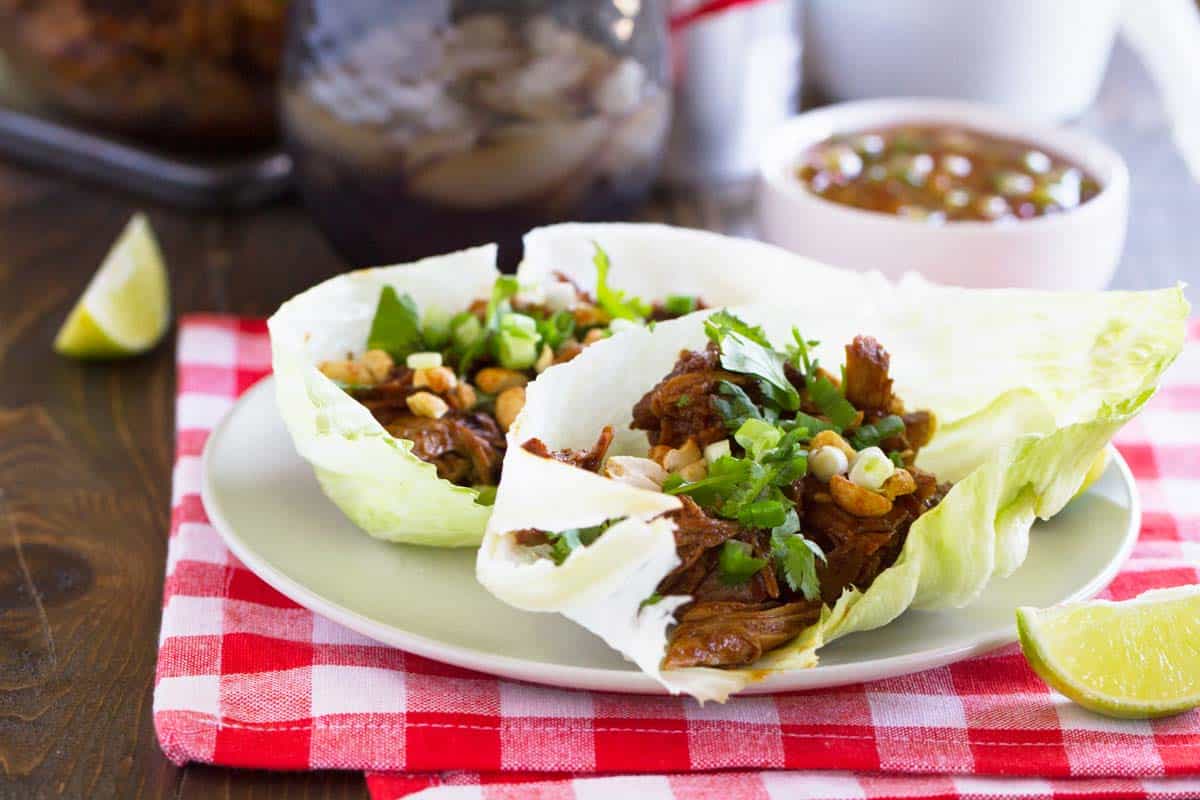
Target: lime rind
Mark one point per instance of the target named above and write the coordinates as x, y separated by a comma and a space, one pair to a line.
125, 309
1137, 659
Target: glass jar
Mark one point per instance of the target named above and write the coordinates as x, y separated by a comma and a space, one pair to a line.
431, 125
175, 72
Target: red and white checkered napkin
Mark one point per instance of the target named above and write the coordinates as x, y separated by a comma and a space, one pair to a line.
248, 678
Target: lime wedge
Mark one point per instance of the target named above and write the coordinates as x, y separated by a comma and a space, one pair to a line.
1135, 659
125, 309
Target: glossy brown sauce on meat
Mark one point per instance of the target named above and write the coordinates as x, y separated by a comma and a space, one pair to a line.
724, 625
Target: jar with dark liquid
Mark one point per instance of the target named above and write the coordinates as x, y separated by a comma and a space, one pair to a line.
431, 125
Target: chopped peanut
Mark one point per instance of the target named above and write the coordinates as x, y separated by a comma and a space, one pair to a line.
587, 315
427, 404
463, 397
677, 459
495, 380
659, 452
697, 470
350, 372
378, 363
436, 379
508, 405
594, 335
900, 484
639, 472
831, 439
857, 500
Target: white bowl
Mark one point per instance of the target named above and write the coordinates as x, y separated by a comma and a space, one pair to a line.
1076, 249
1041, 58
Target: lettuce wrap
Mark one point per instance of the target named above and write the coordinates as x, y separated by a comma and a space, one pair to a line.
376, 478
1028, 388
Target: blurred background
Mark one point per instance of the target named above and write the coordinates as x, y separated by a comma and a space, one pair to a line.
399, 130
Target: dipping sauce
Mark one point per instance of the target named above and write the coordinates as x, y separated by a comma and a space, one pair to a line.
944, 174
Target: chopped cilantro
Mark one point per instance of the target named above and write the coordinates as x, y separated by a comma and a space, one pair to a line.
896, 458
614, 301
735, 406
396, 327
649, 601
812, 426
828, 398
684, 401
871, 435
796, 557
737, 564
566, 542
745, 349
679, 304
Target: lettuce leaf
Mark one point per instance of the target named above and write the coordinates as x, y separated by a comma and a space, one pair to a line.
1029, 388
373, 477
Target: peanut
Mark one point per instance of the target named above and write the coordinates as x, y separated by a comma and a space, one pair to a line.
854, 499
697, 470
831, 439
378, 363
900, 484
463, 397
588, 315
508, 405
679, 458
545, 360
438, 379
427, 404
349, 372
594, 335
494, 380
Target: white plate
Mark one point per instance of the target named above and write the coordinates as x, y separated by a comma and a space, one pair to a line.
267, 505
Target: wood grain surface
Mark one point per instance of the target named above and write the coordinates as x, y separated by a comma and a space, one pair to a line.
86, 450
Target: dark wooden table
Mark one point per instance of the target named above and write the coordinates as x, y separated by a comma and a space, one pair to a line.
86, 450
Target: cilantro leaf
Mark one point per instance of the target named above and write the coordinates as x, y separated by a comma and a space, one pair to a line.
871, 435
725, 476
735, 406
813, 426
722, 322
613, 300
797, 558
740, 353
678, 305
828, 398
737, 564
396, 327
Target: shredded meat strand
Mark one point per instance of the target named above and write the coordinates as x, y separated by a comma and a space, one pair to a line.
680, 406
590, 459
868, 387
466, 448
724, 634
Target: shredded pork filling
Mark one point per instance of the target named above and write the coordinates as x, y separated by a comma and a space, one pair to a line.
732, 623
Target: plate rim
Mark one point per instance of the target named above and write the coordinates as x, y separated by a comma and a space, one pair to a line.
618, 680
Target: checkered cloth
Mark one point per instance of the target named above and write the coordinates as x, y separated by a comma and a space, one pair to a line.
248, 678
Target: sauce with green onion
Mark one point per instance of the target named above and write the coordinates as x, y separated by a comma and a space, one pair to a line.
944, 174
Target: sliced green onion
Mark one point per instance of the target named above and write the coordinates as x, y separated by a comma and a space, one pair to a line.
757, 437
737, 564
435, 327
465, 330
871, 435
763, 514
829, 400
425, 360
